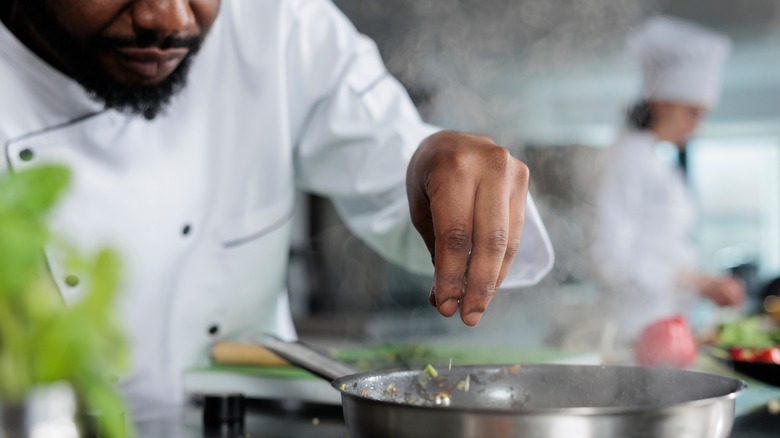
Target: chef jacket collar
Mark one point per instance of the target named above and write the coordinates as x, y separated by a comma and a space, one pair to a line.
638, 137
645, 143
63, 95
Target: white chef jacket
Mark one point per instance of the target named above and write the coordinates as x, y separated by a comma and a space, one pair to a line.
284, 95
643, 234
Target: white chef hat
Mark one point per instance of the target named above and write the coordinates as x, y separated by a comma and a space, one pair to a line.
681, 61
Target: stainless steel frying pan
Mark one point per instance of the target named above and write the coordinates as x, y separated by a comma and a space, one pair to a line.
526, 401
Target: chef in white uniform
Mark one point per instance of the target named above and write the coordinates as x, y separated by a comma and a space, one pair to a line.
194, 185
645, 255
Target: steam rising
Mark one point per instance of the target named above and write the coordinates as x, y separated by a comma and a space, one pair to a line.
523, 72
497, 67
481, 63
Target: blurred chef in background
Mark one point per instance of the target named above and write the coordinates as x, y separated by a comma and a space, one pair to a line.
645, 257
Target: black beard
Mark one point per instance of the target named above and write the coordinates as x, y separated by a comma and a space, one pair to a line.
145, 100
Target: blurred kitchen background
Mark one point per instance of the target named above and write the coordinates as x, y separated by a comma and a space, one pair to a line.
551, 80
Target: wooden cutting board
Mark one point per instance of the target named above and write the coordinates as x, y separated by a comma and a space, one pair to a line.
236, 353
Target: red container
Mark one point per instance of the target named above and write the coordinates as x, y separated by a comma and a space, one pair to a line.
668, 343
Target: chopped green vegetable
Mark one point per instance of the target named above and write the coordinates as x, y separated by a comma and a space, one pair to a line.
427, 374
750, 332
343, 387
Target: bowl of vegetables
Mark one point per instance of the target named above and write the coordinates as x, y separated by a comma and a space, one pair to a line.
751, 346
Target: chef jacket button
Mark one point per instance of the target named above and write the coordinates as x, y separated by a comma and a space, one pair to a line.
26, 154
72, 280
214, 329
186, 229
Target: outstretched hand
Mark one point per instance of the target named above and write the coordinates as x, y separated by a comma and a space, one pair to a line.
467, 199
724, 290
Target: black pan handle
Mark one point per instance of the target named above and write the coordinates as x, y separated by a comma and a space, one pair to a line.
306, 357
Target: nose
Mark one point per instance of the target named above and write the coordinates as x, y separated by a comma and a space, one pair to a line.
165, 17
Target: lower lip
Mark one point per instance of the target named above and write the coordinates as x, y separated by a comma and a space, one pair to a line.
150, 70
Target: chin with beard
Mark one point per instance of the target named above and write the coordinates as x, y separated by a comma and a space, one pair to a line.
146, 100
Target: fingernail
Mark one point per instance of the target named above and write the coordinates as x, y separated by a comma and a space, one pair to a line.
472, 318
432, 296
449, 307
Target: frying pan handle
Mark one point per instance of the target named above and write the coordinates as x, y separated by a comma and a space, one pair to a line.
306, 357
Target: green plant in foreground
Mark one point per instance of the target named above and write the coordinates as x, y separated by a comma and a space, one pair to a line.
42, 340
